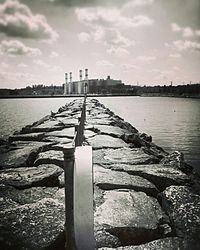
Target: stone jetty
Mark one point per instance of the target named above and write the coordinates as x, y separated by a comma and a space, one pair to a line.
144, 198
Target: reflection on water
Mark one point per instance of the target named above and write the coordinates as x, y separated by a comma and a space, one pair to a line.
173, 122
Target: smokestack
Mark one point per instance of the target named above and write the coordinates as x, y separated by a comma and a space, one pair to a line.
86, 74
81, 74
66, 78
70, 76
65, 84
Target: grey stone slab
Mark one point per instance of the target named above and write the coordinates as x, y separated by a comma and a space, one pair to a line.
99, 114
50, 123
94, 121
69, 122
60, 195
6, 202
176, 160
62, 180
44, 175
89, 133
22, 197
133, 217
106, 141
43, 129
64, 113
132, 156
104, 238
26, 137
50, 157
108, 179
171, 243
161, 175
23, 155
183, 208
33, 226
153, 149
47, 126
98, 197
64, 133
110, 130
60, 146
57, 141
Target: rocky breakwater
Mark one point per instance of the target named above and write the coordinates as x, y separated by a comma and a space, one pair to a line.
32, 211
144, 198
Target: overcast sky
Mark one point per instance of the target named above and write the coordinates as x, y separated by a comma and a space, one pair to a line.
146, 41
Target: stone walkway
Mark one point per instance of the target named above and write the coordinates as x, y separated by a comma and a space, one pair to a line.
143, 197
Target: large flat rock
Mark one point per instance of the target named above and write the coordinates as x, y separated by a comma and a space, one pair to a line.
161, 175
171, 243
50, 157
44, 175
64, 113
106, 141
133, 217
108, 179
46, 126
176, 160
104, 238
5, 201
95, 121
61, 145
26, 137
88, 133
50, 123
65, 133
68, 122
33, 226
109, 130
123, 155
57, 140
23, 155
98, 197
183, 208
11, 197
99, 112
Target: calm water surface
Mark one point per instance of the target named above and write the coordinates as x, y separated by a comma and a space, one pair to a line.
173, 122
17, 113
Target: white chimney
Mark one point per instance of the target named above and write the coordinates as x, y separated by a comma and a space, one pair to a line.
66, 78
86, 74
81, 75
65, 84
70, 76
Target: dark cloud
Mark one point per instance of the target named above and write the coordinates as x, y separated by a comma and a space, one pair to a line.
17, 19
80, 3
183, 11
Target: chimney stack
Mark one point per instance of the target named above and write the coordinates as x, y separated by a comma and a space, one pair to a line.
81, 74
65, 84
86, 74
70, 76
66, 78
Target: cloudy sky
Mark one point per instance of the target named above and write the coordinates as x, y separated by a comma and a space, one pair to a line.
138, 41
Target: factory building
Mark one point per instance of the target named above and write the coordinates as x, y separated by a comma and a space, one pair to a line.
76, 87
88, 85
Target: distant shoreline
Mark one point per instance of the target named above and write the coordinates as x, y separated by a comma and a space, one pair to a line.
60, 96
94, 95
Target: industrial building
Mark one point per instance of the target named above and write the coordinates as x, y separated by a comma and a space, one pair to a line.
90, 86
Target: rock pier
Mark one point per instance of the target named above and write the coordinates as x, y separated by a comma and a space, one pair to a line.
144, 198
